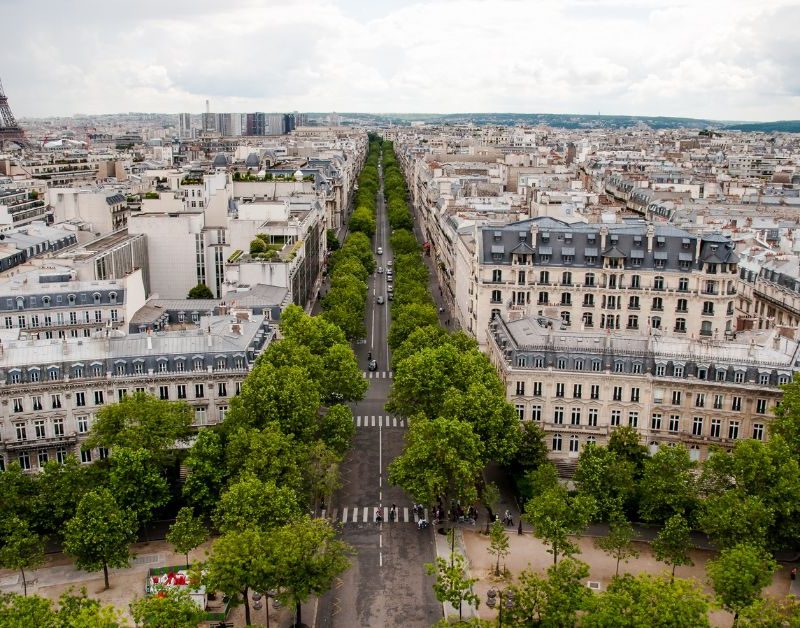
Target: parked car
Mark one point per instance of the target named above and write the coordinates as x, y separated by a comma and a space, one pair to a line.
380, 270
389, 264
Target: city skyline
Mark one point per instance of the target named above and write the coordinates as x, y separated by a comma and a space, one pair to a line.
721, 61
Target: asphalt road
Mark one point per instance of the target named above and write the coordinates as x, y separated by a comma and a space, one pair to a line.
387, 584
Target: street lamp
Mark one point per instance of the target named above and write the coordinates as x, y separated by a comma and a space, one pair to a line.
492, 600
257, 602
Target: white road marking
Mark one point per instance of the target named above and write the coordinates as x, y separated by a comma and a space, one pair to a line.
366, 516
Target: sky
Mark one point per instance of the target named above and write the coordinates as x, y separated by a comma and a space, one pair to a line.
716, 59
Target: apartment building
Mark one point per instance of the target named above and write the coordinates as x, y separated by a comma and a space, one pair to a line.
633, 276
103, 210
52, 389
21, 206
580, 385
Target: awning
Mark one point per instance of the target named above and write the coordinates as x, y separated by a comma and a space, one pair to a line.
685, 257
660, 255
685, 241
567, 250
637, 254
498, 248
545, 250
590, 252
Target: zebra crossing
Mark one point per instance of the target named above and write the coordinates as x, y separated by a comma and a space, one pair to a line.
378, 374
369, 514
380, 421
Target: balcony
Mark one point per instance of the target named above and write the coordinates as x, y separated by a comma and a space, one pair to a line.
40, 443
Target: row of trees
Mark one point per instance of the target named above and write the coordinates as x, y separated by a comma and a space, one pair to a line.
351, 265
455, 401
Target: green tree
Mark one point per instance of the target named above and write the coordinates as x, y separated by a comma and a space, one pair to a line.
307, 558
555, 516
648, 600
618, 543
285, 396
403, 241
206, 471
771, 613
337, 428
409, 318
167, 609
321, 473
240, 561
137, 483
539, 481
605, 477
458, 455
187, 533
498, 543
331, 240
311, 331
140, 421
668, 485
739, 574
75, 611
251, 503
20, 548
673, 543
99, 534
18, 492
201, 291
531, 449
362, 220
342, 379
551, 601
786, 423
452, 583
257, 246
267, 454
60, 488
625, 442
732, 517
427, 337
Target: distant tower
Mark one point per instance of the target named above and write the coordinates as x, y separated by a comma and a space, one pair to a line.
10, 131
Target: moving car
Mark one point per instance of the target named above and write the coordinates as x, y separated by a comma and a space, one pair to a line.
380, 270
379, 300
380, 251
373, 365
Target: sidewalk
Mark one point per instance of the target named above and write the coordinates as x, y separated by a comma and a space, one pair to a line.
443, 551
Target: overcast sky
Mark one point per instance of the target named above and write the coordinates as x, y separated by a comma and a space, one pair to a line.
728, 59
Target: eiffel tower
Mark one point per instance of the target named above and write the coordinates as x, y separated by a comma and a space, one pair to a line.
10, 131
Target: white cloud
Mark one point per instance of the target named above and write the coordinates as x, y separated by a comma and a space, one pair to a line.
733, 59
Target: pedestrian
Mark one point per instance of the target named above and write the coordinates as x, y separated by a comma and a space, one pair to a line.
378, 517
793, 574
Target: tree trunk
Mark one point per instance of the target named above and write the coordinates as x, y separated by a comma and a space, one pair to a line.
672, 579
617, 572
246, 607
105, 574
24, 582
187, 560
459, 612
298, 620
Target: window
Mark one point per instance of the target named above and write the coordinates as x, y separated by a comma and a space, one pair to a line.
579, 364
597, 365
223, 413
616, 417
655, 322
222, 389
655, 421
676, 397
38, 428
677, 371
34, 375
716, 427
61, 455
558, 415
697, 426
658, 304
21, 431
544, 298
736, 404
576, 416
99, 398
633, 303
658, 395
617, 396
536, 413
200, 416
758, 431
179, 366
574, 443
634, 395
761, 406
41, 458
102, 453
521, 388
588, 300
633, 419
497, 275
24, 461
559, 390
86, 456
199, 391
718, 401
520, 407
658, 283
562, 364
674, 423
496, 296
181, 391
198, 364
114, 316
587, 319
163, 392
763, 379
544, 277
18, 407
15, 377
594, 392
537, 389
80, 399
162, 366
733, 430
577, 391
556, 442
636, 281
538, 362
633, 322
138, 368
738, 377
588, 279
83, 424
122, 393
700, 400
566, 278
97, 371
683, 284
592, 417
683, 306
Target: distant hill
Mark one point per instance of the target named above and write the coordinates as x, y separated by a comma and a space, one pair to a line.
578, 121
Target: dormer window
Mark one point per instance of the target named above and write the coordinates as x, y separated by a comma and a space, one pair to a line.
46, 301
498, 235
545, 236
71, 299
661, 240
112, 296
96, 297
